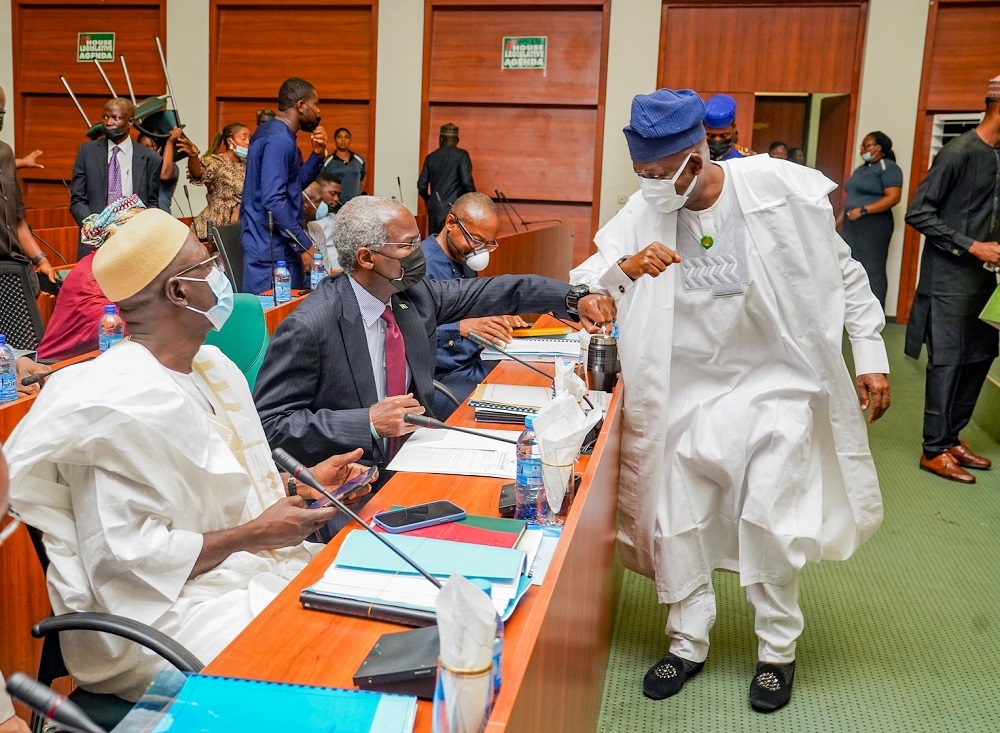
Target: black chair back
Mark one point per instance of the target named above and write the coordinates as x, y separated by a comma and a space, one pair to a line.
20, 320
227, 241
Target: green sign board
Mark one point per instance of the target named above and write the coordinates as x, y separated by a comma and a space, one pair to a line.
95, 47
524, 52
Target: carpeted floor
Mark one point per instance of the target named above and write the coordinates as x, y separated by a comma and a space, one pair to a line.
904, 636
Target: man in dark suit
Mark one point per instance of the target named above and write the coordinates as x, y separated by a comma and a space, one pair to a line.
359, 353
446, 175
112, 167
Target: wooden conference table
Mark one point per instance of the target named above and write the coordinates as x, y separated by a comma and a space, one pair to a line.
557, 641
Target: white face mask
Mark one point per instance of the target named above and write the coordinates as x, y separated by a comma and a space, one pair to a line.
219, 313
662, 194
478, 260
866, 156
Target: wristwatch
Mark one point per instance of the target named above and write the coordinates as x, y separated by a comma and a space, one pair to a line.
38, 258
573, 297
864, 211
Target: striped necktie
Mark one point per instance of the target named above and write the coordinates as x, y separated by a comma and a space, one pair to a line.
114, 176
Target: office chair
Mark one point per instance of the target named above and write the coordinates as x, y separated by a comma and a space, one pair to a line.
105, 710
447, 393
20, 320
244, 338
227, 241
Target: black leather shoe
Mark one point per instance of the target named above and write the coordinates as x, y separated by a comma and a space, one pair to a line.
667, 677
771, 688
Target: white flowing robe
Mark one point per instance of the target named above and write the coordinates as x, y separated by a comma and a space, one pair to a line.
123, 472
744, 447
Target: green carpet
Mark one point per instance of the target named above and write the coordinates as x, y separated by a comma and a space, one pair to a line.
904, 636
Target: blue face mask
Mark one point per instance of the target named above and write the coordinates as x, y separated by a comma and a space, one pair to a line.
241, 151
867, 157
322, 211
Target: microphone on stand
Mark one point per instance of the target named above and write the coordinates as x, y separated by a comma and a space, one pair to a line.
56, 252
66, 186
288, 233
188, 197
33, 378
430, 422
500, 199
51, 705
526, 224
287, 462
270, 244
399, 184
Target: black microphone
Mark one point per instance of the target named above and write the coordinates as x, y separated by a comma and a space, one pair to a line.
480, 341
49, 704
270, 244
526, 223
66, 186
288, 233
56, 252
188, 197
500, 199
399, 184
429, 422
288, 463
33, 378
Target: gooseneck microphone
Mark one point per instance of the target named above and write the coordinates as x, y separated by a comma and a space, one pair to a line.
509, 217
480, 341
288, 233
287, 462
270, 244
429, 422
524, 223
188, 197
50, 704
33, 378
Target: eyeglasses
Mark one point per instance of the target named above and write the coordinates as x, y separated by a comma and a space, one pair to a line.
476, 243
410, 246
213, 260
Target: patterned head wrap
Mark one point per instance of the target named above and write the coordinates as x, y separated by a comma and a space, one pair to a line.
98, 227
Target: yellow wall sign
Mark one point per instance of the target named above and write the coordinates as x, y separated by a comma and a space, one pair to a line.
524, 52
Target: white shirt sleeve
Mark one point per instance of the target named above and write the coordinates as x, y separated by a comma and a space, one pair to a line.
863, 316
6, 706
600, 272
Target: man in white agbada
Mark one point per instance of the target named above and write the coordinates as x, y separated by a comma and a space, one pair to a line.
744, 447
148, 472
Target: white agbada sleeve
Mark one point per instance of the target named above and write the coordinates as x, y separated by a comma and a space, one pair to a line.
6, 706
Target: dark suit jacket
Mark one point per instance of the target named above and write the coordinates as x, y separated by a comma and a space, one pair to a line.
316, 384
89, 189
446, 175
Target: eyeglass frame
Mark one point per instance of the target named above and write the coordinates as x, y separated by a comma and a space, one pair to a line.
215, 259
477, 244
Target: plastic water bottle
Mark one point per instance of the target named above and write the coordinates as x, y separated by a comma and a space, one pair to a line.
532, 506
498, 658
282, 283
110, 329
8, 372
318, 271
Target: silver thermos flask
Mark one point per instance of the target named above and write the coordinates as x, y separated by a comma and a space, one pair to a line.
602, 363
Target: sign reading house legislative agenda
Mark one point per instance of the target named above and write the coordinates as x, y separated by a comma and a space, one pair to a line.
95, 47
524, 52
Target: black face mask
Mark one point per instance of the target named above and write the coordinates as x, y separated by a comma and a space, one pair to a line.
718, 148
115, 133
310, 126
413, 268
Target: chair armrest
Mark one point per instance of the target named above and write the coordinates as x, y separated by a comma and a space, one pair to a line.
126, 628
448, 394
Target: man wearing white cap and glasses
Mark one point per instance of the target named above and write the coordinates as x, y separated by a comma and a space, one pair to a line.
744, 447
148, 473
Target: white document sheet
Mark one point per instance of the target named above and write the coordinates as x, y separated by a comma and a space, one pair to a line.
458, 454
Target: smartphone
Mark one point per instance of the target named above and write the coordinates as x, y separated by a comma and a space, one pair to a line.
421, 515
359, 481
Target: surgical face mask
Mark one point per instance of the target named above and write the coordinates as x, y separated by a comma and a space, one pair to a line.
718, 148
662, 194
241, 151
866, 156
322, 211
413, 267
219, 313
477, 260
114, 133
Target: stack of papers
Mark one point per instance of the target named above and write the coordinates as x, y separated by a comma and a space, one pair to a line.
367, 571
507, 403
457, 454
538, 349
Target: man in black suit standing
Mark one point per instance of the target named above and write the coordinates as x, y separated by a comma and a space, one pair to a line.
446, 175
112, 167
359, 353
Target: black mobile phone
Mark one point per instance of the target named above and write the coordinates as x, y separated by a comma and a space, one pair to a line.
422, 515
351, 486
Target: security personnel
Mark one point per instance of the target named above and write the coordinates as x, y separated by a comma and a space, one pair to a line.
720, 129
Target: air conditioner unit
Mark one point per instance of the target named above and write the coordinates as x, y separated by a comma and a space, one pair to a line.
947, 127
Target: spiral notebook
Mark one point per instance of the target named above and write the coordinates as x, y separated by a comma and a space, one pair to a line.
507, 403
225, 704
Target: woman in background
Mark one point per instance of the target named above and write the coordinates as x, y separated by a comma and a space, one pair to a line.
221, 173
872, 190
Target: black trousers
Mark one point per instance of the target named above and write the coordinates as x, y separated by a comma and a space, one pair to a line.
949, 398
869, 238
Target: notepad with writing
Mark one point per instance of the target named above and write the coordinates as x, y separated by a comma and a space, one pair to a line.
225, 704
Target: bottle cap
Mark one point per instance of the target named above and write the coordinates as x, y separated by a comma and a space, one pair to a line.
529, 421
111, 308
317, 256
3, 339
281, 263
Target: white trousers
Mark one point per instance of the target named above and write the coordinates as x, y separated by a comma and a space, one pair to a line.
777, 620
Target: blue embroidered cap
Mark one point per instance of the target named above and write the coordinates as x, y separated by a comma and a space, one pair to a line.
663, 123
720, 111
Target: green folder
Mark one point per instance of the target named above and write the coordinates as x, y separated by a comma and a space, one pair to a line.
991, 313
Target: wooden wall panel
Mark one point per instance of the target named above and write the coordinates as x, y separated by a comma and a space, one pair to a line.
45, 37
577, 215
960, 55
333, 47
760, 47
465, 56
966, 55
535, 134
514, 149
